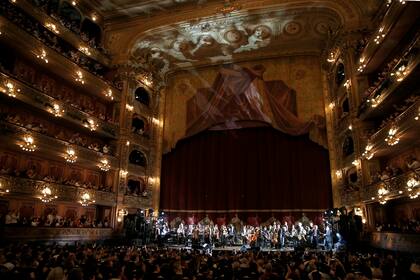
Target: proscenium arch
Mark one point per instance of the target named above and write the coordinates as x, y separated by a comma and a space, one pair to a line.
349, 13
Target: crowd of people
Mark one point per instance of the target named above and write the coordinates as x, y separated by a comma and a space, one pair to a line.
391, 171
40, 261
48, 38
51, 8
403, 226
41, 126
14, 218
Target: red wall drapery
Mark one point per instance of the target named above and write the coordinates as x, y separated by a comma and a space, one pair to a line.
247, 169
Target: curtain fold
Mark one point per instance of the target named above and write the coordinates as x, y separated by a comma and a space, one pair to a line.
259, 169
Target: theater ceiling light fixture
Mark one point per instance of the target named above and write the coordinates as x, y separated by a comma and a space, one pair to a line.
42, 56
356, 162
86, 199
412, 183
70, 155
129, 107
56, 110
104, 165
28, 144
47, 195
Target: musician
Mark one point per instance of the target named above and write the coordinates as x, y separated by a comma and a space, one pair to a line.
301, 233
328, 240
224, 235
181, 233
232, 234
265, 234
215, 234
283, 234
207, 234
314, 236
195, 236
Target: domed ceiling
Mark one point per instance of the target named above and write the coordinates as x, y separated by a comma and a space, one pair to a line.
167, 35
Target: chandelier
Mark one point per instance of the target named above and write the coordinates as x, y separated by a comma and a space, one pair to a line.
86, 199
28, 144
400, 73
392, 138
56, 110
368, 153
79, 77
91, 124
104, 165
70, 155
108, 94
11, 90
47, 195
42, 56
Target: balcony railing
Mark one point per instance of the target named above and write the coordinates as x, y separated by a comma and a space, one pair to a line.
406, 125
399, 70
35, 97
52, 146
31, 7
396, 187
62, 64
137, 201
30, 188
49, 38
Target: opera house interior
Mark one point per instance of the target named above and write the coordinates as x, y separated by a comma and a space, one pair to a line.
209, 139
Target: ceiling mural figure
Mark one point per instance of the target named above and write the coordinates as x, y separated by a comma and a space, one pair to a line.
226, 39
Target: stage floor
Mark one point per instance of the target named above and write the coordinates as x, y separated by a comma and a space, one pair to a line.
236, 248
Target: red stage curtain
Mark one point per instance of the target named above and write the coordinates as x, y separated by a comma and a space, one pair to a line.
244, 169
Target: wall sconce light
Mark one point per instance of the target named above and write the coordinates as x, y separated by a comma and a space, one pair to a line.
123, 173
121, 214
356, 162
129, 108
339, 174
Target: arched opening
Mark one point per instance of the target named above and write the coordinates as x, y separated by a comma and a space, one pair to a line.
135, 187
345, 106
348, 146
138, 126
71, 16
91, 32
142, 95
138, 158
340, 75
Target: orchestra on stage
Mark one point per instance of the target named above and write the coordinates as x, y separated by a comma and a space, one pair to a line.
273, 236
